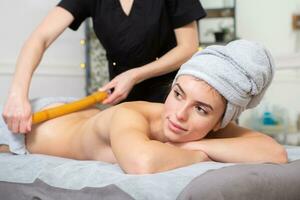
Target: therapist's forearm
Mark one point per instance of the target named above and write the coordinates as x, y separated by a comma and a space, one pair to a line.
32, 52
29, 58
187, 44
169, 62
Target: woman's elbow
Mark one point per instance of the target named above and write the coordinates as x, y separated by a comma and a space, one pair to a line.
280, 156
141, 165
271, 151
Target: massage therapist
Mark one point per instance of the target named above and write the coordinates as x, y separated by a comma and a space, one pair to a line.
146, 42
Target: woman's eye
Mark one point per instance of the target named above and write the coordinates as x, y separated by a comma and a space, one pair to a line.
201, 110
177, 94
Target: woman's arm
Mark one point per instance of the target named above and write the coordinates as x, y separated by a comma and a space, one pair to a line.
237, 144
187, 45
17, 111
137, 154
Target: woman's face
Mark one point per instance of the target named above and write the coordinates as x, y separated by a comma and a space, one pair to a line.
192, 109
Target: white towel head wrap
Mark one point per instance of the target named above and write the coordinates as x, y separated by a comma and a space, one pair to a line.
241, 71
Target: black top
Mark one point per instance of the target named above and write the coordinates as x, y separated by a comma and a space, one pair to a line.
146, 34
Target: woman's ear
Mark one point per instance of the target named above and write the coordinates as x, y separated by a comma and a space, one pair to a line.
217, 126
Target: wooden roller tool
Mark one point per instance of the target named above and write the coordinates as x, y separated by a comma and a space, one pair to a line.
80, 104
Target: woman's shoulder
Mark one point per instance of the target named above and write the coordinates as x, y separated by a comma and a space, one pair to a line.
140, 105
134, 115
145, 108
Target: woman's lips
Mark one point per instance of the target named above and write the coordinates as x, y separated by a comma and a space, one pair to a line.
175, 127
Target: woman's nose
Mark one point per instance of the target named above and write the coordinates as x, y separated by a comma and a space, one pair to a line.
182, 114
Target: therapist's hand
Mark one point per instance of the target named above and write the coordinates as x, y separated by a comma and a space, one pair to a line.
17, 114
121, 85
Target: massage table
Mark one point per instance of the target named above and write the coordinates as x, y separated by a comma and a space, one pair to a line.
45, 177
50, 178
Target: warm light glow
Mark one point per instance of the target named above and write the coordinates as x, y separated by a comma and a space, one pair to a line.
82, 65
82, 42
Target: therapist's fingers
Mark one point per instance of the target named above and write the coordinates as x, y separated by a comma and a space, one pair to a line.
114, 98
15, 124
117, 96
29, 124
117, 100
18, 121
16, 111
110, 85
113, 93
10, 122
24, 117
25, 125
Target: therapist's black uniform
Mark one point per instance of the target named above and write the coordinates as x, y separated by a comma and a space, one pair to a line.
146, 34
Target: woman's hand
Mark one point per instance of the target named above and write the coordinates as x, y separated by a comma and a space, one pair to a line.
17, 114
121, 85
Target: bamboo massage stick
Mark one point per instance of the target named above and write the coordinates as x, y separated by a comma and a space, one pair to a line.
74, 106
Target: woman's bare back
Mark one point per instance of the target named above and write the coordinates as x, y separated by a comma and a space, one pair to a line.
83, 135
72, 136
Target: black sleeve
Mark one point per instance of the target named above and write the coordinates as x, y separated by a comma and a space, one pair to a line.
183, 12
80, 9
